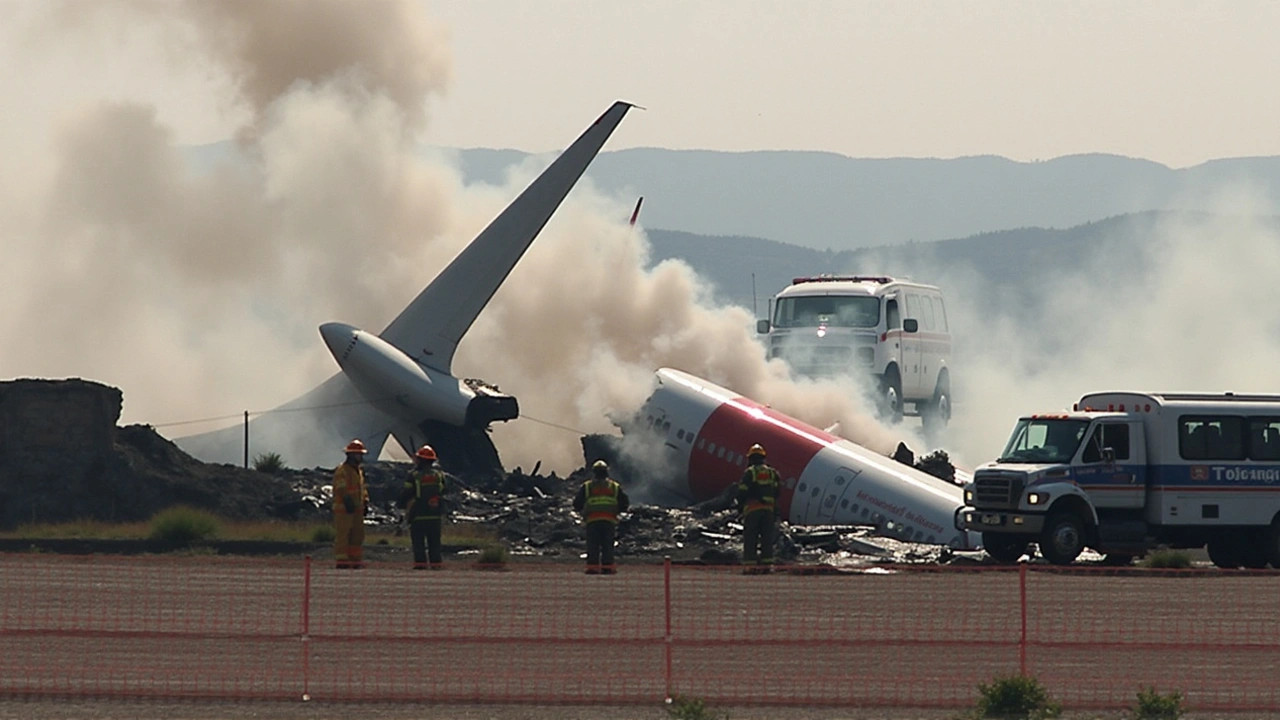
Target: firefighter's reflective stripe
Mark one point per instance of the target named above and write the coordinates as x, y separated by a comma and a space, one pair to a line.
602, 501
428, 488
766, 478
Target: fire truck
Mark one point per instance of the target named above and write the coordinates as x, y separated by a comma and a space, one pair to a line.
1125, 472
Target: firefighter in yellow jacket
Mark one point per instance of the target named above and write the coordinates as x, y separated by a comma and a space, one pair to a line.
758, 500
600, 500
350, 499
423, 502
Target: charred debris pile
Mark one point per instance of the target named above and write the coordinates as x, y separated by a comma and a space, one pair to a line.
533, 516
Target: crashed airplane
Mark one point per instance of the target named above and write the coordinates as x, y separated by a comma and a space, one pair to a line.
705, 429
400, 382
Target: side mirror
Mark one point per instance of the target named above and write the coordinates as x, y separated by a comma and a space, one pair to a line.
1109, 455
910, 325
762, 327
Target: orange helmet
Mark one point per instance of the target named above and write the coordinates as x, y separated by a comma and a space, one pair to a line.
426, 452
356, 447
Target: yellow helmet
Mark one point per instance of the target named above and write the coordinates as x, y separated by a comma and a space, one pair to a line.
599, 465
756, 449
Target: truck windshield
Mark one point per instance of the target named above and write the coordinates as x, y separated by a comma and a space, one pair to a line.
1042, 440
859, 311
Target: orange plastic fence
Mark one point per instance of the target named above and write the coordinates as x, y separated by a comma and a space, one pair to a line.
544, 633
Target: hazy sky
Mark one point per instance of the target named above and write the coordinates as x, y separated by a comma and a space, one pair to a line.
1173, 81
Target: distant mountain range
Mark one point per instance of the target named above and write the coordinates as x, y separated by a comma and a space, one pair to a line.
824, 200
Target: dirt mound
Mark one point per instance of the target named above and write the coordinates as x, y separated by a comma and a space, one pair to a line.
62, 458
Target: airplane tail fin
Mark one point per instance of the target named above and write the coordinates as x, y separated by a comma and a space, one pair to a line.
430, 328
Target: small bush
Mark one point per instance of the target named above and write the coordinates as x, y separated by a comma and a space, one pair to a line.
183, 525
1016, 696
1174, 559
323, 534
685, 708
1154, 706
493, 555
268, 463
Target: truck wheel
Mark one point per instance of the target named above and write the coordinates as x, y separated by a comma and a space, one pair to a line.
1224, 552
891, 395
1254, 552
1062, 539
1003, 547
937, 413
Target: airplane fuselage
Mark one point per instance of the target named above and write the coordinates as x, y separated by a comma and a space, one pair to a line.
706, 429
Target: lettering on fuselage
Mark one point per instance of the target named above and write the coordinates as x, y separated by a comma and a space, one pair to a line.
899, 510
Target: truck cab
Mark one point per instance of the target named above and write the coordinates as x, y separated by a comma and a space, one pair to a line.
1065, 481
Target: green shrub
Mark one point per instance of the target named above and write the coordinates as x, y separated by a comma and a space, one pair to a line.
183, 525
1016, 696
268, 463
685, 708
493, 555
1154, 706
323, 534
1175, 559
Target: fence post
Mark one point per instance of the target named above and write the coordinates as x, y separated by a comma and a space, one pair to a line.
306, 628
1022, 602
666, 572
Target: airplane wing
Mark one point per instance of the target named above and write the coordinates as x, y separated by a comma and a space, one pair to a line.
306, 430
430, 328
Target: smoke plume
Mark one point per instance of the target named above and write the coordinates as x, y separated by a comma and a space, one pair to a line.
195, 282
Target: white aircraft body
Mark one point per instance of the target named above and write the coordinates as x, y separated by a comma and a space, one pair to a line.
400, 382
705, 431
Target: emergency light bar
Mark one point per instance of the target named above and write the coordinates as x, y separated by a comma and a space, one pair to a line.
882, 279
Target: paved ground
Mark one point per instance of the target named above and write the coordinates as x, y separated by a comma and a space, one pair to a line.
543, 634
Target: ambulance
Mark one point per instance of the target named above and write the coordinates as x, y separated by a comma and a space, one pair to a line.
1125, 472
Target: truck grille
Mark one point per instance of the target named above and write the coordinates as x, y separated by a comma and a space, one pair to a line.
997, 491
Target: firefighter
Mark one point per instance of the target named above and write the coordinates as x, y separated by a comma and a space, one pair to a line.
600, 500
758, 501
423, 502
350, 502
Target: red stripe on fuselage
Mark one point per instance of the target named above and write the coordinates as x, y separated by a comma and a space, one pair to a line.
737, 424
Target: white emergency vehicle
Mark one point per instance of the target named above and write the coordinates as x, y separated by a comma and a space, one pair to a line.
892, 329
1124, 472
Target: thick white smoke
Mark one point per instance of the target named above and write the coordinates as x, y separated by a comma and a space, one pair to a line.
198, 289
1186, 304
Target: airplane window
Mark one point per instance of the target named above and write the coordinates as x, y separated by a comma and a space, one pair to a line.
839, 479
711, 448
720, 454
830, 502
844, 504
855, 508
791, 482
702, 442
742, 461
801, 487
816, 491
864, 512
932, 539
688, 437
666, 427
680, 434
